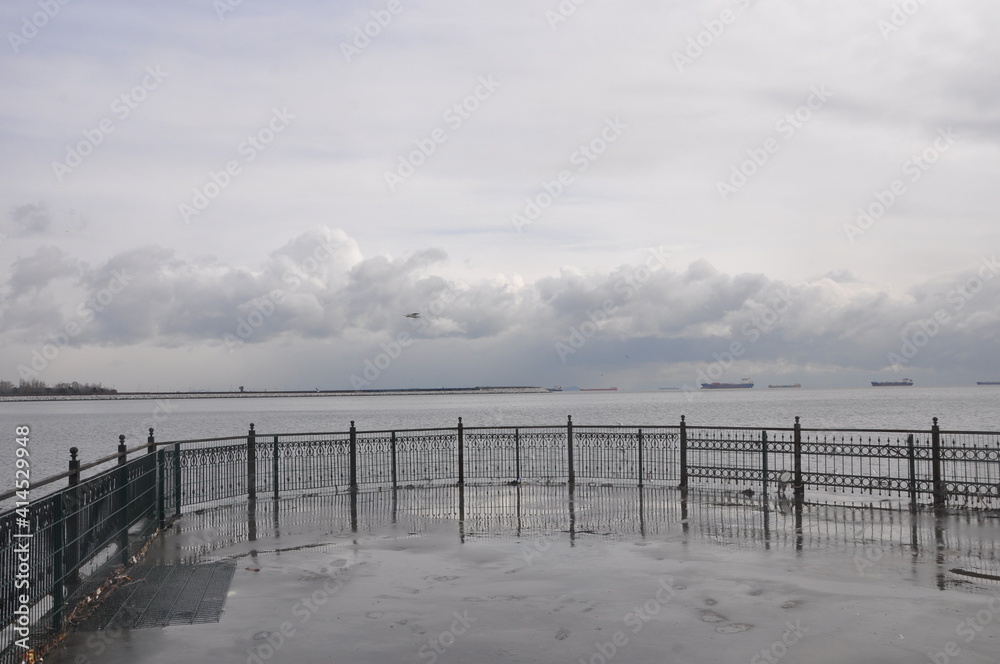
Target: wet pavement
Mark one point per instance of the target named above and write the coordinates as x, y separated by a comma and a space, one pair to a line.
523, 574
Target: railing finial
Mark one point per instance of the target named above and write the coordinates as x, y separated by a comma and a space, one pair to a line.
73, 451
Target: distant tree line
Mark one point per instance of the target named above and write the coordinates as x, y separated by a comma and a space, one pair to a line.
35, 387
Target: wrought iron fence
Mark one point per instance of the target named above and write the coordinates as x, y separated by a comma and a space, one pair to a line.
77, 532
56, 551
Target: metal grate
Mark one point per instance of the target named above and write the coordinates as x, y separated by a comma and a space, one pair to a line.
162, 595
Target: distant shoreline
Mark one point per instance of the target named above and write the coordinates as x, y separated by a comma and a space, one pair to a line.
126, 396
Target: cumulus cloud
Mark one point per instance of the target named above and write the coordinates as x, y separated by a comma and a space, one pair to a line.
30, 219
30, 274
318, 286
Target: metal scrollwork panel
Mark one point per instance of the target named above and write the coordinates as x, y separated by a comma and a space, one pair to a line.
492, 455
427, 458
313, 464
374, 459
210, 473
543, 456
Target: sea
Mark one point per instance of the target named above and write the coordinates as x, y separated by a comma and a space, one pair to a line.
93, 426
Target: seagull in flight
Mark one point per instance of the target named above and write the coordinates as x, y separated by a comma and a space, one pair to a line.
413, 315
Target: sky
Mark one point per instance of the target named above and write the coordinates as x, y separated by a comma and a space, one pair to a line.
204, 195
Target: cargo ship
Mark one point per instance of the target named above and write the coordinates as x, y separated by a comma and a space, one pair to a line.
906, 382
744, 382
598, 389
988, 382
784, 386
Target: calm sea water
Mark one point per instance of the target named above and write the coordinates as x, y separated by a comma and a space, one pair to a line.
94, 426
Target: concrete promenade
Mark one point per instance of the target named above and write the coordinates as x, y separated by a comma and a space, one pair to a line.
506, 587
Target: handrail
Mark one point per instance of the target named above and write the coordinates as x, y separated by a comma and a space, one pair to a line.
345, 434
65, 474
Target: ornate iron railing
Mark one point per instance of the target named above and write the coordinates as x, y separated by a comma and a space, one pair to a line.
78, 531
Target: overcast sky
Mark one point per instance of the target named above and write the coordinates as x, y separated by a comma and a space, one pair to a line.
634, 193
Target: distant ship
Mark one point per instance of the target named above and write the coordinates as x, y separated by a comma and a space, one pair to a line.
744, 382
795, 385
557, 388
598, 389
988, 382
906, 382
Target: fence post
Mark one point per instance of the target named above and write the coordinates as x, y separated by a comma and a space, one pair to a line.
569, 449
939, 491
177, 479
764, 464
798, 490
392, 450
353, 458
274, 466
161, 487
639, 444
149, 479
912, 462
517, 454
252, 463
122, 498
72, 558
461, 453
57, 563
684, 454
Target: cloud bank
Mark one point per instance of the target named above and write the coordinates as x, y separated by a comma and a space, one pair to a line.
644, 322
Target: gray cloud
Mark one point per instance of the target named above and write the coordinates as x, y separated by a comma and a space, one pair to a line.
35, 272
318, 286
495, 300
30, 219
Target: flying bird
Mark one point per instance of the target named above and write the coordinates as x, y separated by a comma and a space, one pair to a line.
413, 315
